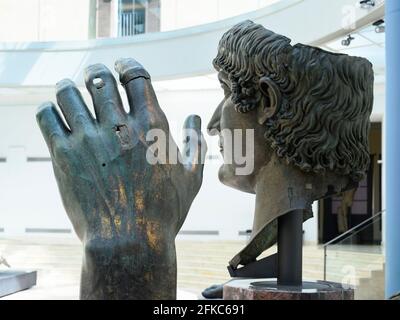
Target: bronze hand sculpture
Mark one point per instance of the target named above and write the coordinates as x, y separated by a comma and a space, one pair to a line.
126, 211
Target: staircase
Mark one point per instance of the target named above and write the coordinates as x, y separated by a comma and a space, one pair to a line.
364, 271
361, 266
373, 287
203, 263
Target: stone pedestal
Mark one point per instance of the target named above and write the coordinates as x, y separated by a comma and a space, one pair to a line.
267, 289
13, 281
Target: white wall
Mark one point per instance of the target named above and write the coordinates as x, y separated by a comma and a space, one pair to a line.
43, 20
176, 14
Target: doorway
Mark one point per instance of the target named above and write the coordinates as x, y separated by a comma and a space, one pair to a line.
342, 212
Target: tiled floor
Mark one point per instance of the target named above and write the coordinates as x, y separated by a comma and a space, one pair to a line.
200, 264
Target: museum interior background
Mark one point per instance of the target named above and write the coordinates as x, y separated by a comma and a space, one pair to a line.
175, 40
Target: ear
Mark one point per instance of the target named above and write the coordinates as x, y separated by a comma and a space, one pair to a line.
271, 100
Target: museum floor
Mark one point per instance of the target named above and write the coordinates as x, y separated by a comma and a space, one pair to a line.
200, 264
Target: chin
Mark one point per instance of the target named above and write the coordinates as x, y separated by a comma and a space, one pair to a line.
227, 176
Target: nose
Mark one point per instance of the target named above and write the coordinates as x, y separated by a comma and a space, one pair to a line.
213, 127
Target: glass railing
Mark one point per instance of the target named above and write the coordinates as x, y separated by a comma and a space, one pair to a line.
361, 266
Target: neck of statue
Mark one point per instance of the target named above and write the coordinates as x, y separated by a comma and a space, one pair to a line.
281, 188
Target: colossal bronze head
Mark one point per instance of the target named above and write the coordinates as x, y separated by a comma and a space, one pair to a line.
308, 111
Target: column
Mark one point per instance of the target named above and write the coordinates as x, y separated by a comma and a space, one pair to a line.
392, 117
92, 28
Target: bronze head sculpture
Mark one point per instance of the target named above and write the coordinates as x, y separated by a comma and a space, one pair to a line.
309, 110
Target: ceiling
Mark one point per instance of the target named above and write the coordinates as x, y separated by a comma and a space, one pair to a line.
368, 44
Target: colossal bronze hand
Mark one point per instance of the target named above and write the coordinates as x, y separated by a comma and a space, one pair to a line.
126, 211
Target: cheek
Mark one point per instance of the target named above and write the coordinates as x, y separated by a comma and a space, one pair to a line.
227, 115
231, 119
262, 149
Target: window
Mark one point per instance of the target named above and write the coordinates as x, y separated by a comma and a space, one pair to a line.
135, 16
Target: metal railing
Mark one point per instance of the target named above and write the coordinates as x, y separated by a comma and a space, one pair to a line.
349, 233
131, 23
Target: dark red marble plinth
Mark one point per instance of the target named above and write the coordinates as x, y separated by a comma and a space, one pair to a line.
267, 289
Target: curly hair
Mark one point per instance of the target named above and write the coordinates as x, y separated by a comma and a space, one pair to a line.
322, 122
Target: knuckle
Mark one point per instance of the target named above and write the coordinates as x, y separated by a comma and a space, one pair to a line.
60, 149
88, 138
80, 120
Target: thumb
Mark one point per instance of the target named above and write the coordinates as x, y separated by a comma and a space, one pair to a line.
195, 146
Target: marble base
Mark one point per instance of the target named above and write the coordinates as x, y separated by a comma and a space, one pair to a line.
267, 289
13, 281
